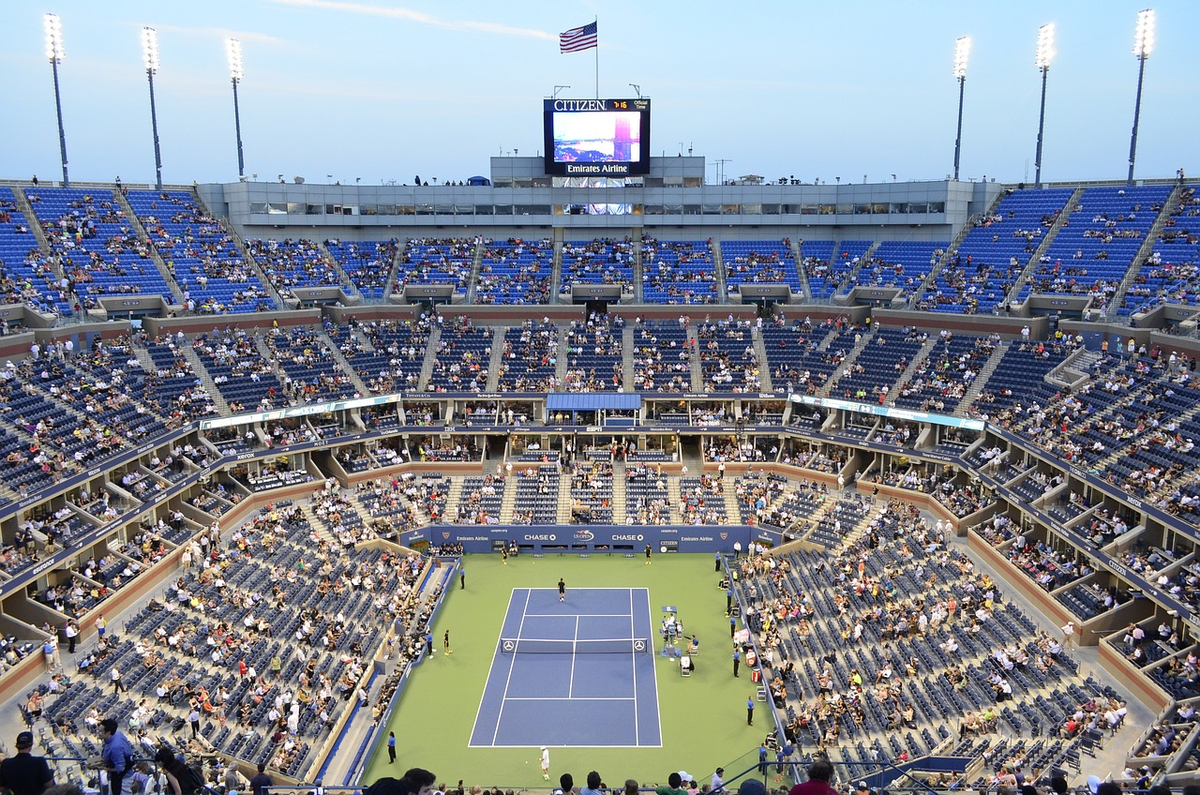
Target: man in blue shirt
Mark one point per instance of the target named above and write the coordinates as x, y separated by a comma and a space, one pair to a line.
116, 752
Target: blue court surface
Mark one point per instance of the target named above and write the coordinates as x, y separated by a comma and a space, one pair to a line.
577, 673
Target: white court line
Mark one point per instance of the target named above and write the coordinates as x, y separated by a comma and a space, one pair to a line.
571, 683
579, 615
511, 664
588, 588
581, 745
570, 698
633, 661
654, 671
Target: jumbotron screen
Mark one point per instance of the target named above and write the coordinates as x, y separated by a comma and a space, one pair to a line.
597, 137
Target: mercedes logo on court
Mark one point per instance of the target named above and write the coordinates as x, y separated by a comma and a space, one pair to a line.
509, 645
639, 645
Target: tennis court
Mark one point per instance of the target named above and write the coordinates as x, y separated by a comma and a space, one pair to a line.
575, 673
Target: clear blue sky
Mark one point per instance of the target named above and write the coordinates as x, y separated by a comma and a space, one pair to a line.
383, 91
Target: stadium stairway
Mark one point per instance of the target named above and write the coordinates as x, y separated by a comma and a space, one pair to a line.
155, 256
627, 369
981, 380
1073, 369
638, 273
764, 369
251, 263
802, 272
493, 382
453, 499
392, 270
556, 258
619, 501
1031, 267
560, 367
1143, 253
829, 339
344, 280
206, 380
846, 363
917, 360
143, 357
336, 354
697, 370
852, 277
35, 226
673, 494
952, 249
431, 347
564, 499
268, 355
732, 509
473, 279
508, 502
317, 526
719, 272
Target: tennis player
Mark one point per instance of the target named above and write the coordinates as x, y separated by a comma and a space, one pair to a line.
546, 752
562, 590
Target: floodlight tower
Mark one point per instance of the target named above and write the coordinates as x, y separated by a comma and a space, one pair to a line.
54, 52
1045, 52
150, 56
962, 48
233, 50
1143, 43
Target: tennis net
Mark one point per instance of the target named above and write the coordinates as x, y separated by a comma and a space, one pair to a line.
576, 646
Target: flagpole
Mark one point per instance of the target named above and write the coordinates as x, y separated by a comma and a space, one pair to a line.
596, 22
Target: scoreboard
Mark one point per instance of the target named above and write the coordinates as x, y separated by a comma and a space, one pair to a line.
597, 137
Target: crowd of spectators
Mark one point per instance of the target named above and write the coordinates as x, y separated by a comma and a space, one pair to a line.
662, 358
678, 272
595, 359
599, 261
437, 261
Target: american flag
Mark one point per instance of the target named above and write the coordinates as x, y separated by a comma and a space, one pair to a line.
578, 39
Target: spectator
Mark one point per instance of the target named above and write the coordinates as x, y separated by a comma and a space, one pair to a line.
820, 773
24, 773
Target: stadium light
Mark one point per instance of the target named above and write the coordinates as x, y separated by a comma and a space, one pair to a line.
150, 57
233, 51
1045, 52
54, 52
962, 49
1143, 43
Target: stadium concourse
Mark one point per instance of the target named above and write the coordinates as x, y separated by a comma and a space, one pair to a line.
258, 456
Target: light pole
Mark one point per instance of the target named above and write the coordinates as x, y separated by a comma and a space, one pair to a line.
1143, 43
54, 51
962, 48
1045, 51
233, 50
150, 56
